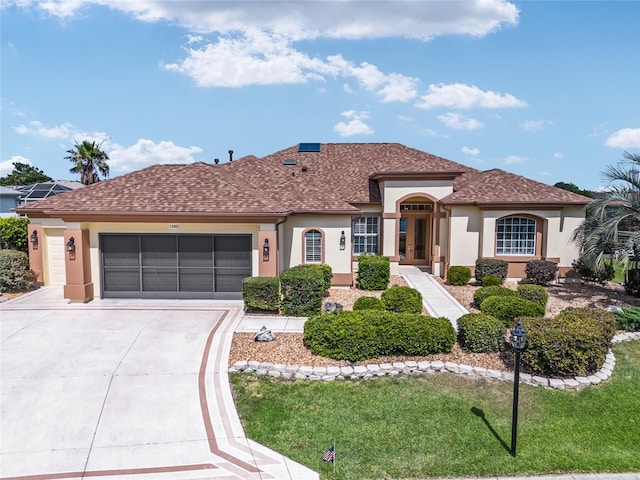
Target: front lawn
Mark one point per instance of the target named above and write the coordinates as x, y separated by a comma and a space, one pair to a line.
443, 425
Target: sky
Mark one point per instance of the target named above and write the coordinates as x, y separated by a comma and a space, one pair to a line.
545, 89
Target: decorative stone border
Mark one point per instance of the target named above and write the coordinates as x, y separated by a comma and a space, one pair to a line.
373, 370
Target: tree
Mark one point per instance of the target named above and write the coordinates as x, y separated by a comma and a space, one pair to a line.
614, 219
573, 188
88, 160
24, 174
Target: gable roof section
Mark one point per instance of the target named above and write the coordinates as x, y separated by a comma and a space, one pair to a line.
499, 188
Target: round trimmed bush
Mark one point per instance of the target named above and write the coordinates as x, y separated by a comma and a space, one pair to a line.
509, 308
480, 333
458, 276
368, 303
15, 275
490, 281
483, 293
401, 299
575, 342
535, 293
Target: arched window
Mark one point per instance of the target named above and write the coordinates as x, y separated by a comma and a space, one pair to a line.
312, 246
516, 236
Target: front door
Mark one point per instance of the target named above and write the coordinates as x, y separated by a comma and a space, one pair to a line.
414, 247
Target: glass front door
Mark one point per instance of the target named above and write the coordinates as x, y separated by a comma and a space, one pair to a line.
413, 241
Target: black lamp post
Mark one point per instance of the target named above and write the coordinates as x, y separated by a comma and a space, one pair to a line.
518, 341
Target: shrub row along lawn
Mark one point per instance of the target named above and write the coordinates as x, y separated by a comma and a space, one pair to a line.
447, 425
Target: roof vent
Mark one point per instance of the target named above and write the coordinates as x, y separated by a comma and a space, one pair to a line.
309, 147
304, 168
290, 162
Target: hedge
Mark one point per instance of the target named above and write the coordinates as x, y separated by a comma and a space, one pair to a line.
373, 272
535, 293
14, 234
401, 299
368, 303
509, 308
481, 294
541, 272
15, 275
491, 266
302, 291
458, 276
261, 293
480, 333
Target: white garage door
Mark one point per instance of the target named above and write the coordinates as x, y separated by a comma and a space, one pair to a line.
54, 258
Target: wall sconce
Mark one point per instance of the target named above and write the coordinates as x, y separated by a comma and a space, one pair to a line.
343, 240
71, 248
33, 238
265, 250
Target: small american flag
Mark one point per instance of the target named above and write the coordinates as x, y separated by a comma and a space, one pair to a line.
330, 454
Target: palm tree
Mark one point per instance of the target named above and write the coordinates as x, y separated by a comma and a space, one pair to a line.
613, 221
88, 160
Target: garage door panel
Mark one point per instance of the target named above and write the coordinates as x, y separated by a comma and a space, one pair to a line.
55, 254
196, 280
159, 279
126, 280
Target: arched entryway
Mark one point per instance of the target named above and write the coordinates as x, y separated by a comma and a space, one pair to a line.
415, 232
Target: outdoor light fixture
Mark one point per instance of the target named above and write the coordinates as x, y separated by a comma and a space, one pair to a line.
343, 240
71, 248
518, 342
33, 238
265, 250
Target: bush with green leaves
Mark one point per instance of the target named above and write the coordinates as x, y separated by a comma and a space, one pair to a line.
302, 291
14, 234
480, 333
15, 275
365, 334
491, 266
628, 319
401, 299
490, 281
368, 303
632, 282
261, 293
325, 270
481, 294
507, 309
541, 272
535, 293
373, 272
591, 276
574, 342
458, 275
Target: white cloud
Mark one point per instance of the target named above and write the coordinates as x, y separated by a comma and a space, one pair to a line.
355, 126
146, 152
558, 155
546, 174
459, 95
532, 125
6, 167
307, 20
513, 159
37, 128
470, 151
624, 138
459, 122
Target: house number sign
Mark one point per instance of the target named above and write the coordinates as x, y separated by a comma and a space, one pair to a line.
174, 226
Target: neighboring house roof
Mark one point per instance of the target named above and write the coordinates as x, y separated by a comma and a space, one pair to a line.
336, 179
9, 192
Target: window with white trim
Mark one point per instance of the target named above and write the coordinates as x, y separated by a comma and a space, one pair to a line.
313, 247
365, 235
516, 236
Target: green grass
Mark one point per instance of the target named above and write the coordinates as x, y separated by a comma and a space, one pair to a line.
447, 425
619, 269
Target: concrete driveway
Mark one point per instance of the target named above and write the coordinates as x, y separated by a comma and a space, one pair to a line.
123, 389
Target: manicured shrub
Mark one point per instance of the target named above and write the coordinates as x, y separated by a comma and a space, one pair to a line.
368, 303
302, 291
587, 275
15, 275
491, 266
401, 299
481, 294
509, 308
632, 282
628, 319
535, 293
541, 272
575, 342
480, 333
14, 234
261, 293
325, 270
365, 334
458, 275
373, 272
490, 281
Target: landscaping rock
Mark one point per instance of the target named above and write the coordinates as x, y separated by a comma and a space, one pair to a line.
264, 335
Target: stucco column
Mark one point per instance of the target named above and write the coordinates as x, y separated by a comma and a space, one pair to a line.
35, 251
79, 287
268, 263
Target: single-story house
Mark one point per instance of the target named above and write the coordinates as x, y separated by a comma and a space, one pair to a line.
195, 231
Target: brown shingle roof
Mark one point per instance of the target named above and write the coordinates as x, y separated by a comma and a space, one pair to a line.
334, 180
